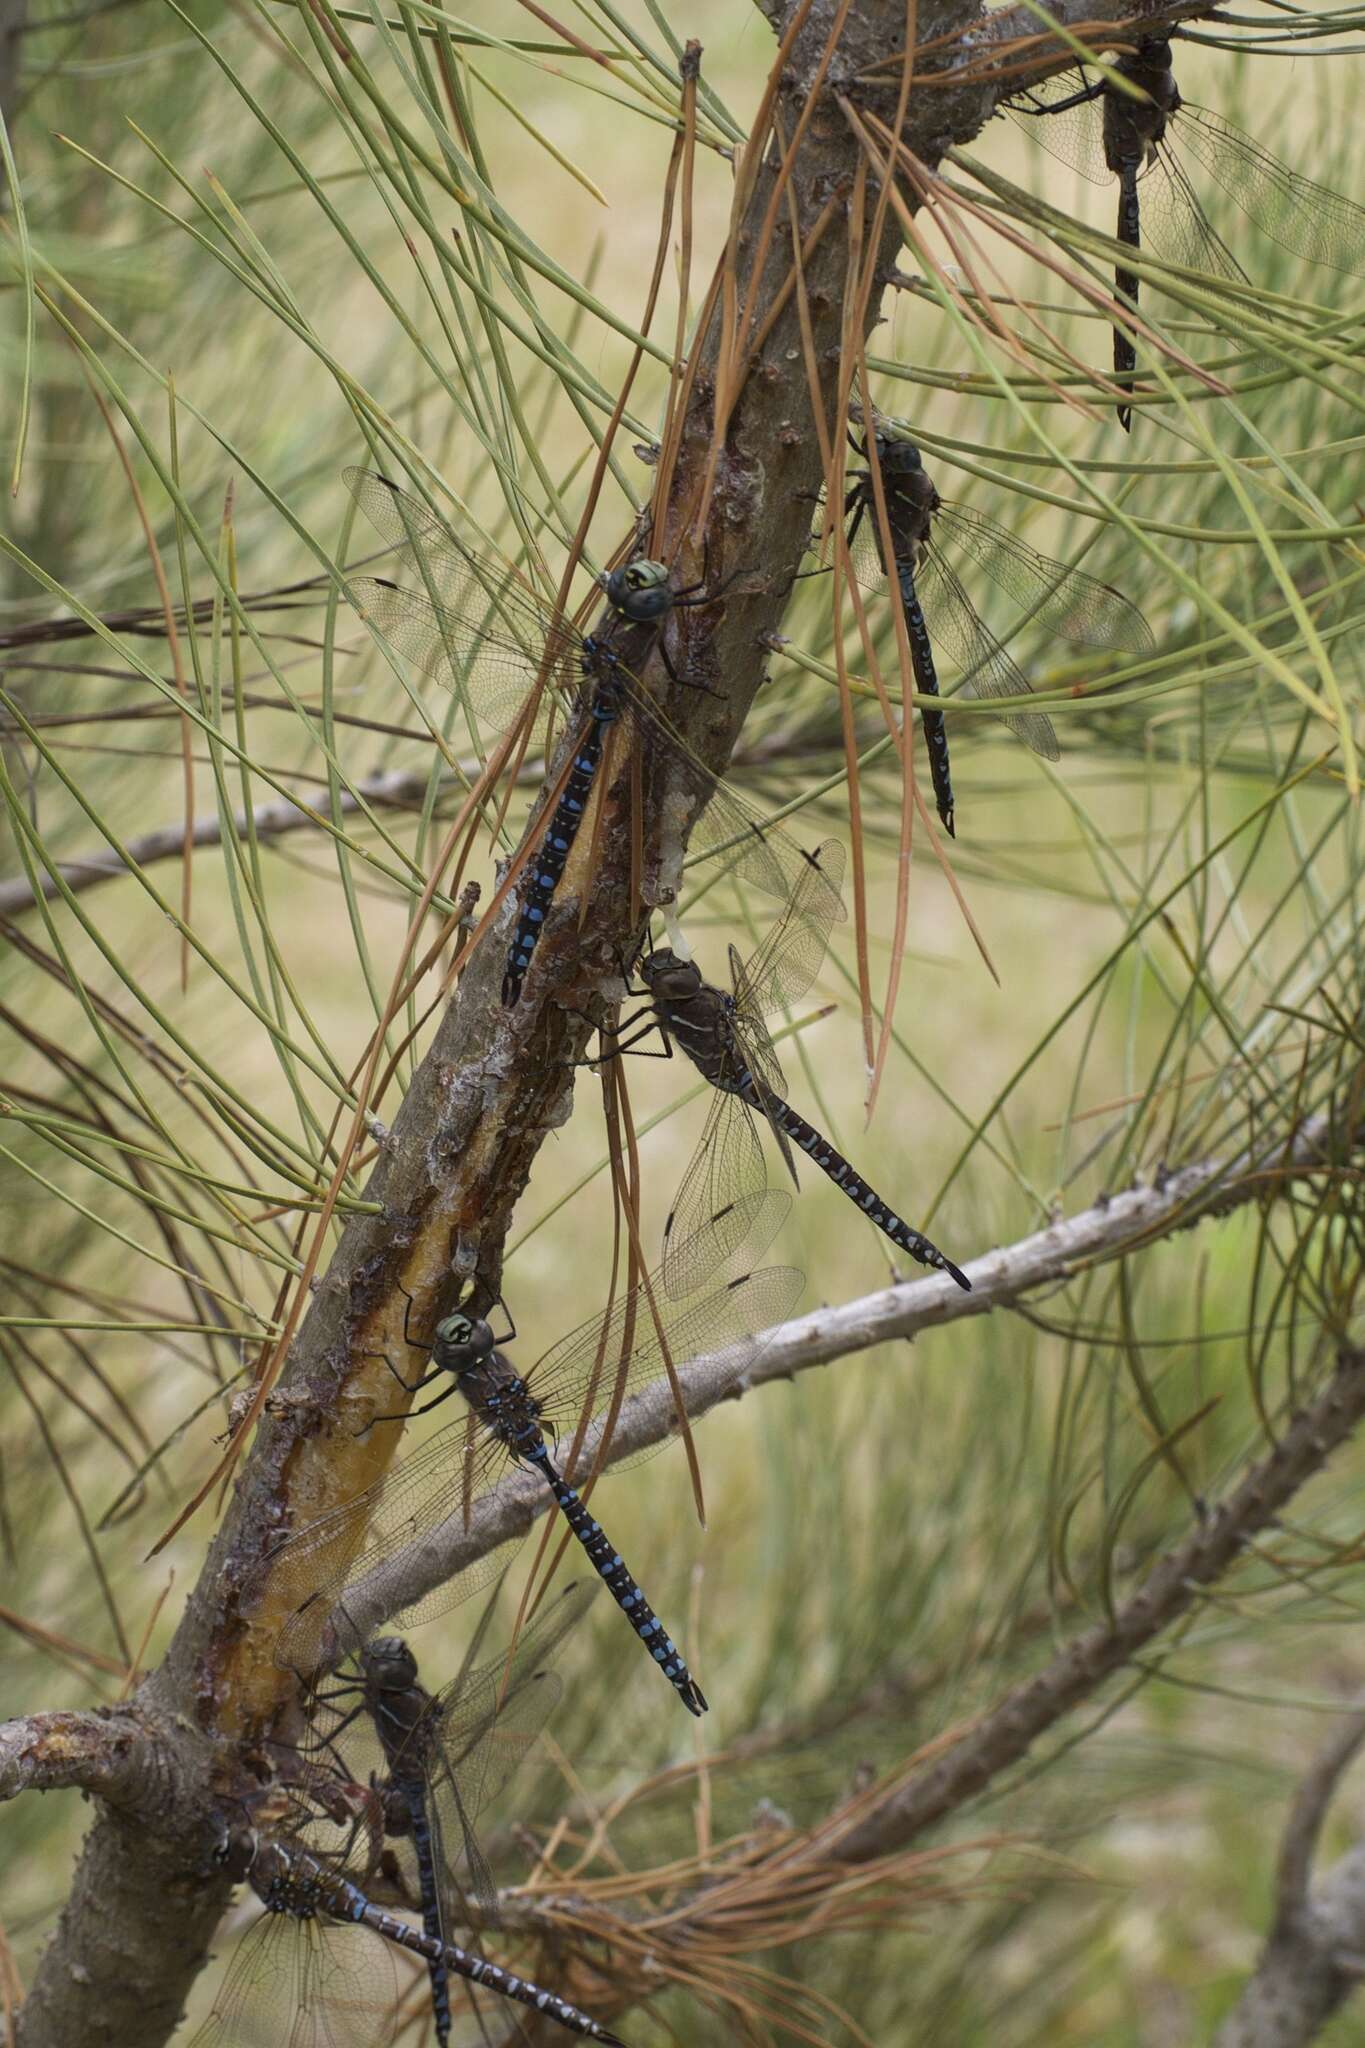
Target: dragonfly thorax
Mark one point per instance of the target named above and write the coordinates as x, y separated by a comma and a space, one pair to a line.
285, 1884
640, 590
389, 1665
911, 500
499, 1395
698, 1015
602, 670
1133, 128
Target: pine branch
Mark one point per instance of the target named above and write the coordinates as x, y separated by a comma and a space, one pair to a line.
110, 1753
1004, 1736
1314, 1956
396, 789
495, 1083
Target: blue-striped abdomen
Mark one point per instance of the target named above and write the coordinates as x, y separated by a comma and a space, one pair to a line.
611, 1569
833, 1163
546, 865
414, 1796
926, 679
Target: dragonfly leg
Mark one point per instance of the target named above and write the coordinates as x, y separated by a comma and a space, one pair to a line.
1079, 98
649, 1024
415, 1342
410, 1386
683, 680
414, 1387
697, 593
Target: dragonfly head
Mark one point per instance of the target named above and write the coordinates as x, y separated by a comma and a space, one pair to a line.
898, 458
669, 978
460, 1342
234, 1852
389, 1665
639, 590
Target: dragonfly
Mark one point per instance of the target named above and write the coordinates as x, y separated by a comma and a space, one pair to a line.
476, 625
518, 1418
317, 1970
724, 1034
1101, 132
438, 1760
925, 533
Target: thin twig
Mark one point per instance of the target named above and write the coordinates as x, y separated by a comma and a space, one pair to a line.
396, 788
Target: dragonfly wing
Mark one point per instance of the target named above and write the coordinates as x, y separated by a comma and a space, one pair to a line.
471, 620
489, 1721
492, 680
770, 1097
462, 1871
753, 1042
477, 586
1057, 599
759, 1217
709, 1215
864, 548
761, 854
259, 1995
1298, 214
779, 973
312, 1570
1074, 135
349, 1988
730, 1327
1174, 224
987, 670
306, 1984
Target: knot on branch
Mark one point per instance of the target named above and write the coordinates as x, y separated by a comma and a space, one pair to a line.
117, 1754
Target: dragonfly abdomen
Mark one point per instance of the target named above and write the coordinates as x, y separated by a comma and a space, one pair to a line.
926, 679
289, 1880
832, 1162
414, 1795
549, 861
1126, 281
615, 1575
479, 1971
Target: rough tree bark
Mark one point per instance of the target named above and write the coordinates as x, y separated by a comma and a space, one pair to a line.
143, 1908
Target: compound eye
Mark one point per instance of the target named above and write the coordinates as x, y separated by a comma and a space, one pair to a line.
640, 590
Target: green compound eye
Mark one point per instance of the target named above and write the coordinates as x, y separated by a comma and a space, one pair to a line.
640, 590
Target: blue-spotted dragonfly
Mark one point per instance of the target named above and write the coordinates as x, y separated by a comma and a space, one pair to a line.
438, 1760
538, 1420
1104, 133
724, 1033
926, 533
476, 624
318, 1970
